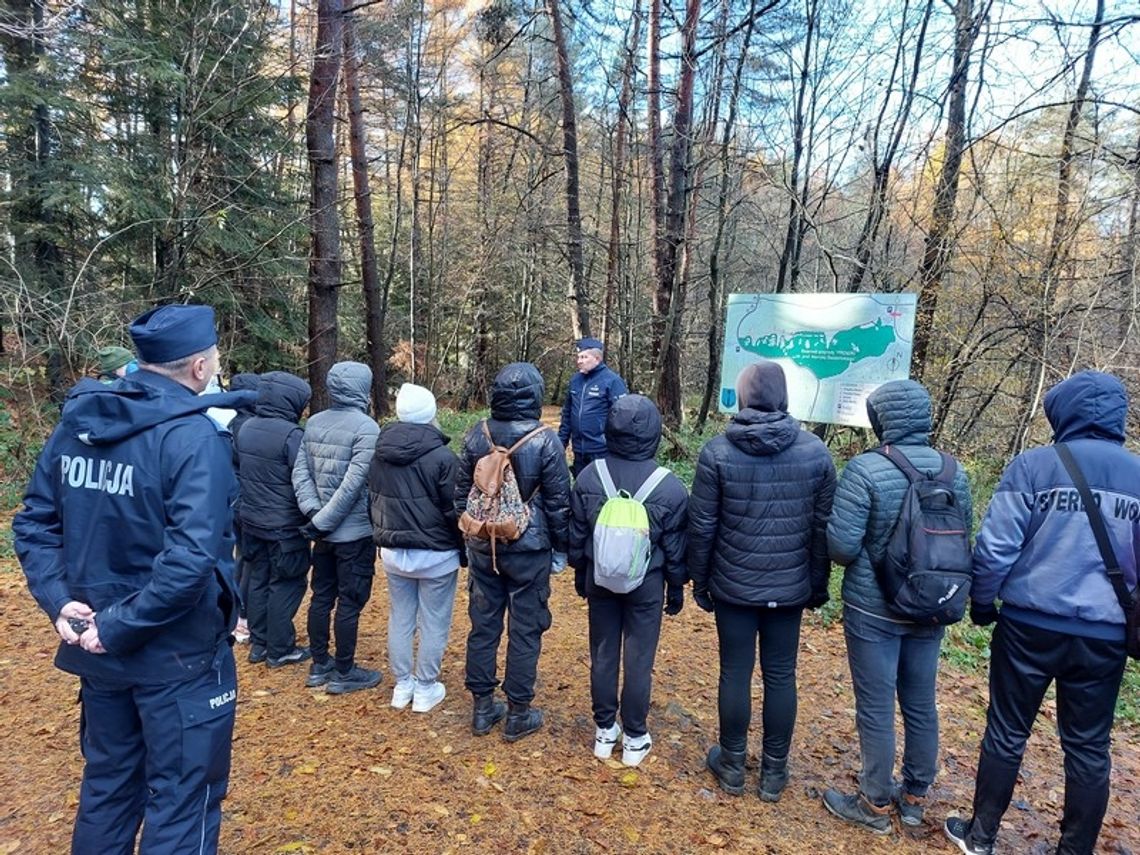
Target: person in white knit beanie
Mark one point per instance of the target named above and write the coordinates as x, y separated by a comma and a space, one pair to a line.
415, 404
412, 483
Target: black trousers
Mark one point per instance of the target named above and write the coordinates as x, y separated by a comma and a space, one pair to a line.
778, 630
1024, 661
277, 572
342, 576
582, 460
522, 588
624, 629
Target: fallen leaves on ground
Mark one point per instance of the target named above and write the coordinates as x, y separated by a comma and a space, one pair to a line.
314, 773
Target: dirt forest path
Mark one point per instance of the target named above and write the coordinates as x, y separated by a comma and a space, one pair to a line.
316, 773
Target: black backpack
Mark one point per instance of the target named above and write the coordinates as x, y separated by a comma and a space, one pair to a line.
925, 571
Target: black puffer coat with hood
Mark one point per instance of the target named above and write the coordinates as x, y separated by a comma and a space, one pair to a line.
758, 511
539, 465
412, 485
633, 432
267, 447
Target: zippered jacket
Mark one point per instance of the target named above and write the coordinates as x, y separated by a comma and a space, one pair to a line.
633, 432
330, 474
758, 513
871, 491
1035, 550
588, 402
129, 511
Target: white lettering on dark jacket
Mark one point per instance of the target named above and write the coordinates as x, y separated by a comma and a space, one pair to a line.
91, 473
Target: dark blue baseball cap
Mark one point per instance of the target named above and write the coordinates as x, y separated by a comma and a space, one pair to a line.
590, 344
168, 333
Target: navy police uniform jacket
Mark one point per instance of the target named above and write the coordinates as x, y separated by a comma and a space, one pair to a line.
587, 406
130, 511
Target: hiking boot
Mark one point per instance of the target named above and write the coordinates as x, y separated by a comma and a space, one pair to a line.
958, 832
634, 749
403, 692
356, 679
728, 769
297, 654
857, 810
912, 808
522, 720
320, 673
605, 738
773, 778
256, 655
486, 713
426, 698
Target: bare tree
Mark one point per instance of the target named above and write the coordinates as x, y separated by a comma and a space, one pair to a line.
1059, 238
936, 254
577, 292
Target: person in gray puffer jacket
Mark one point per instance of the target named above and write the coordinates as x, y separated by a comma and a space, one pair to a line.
330, 477
758, 556
888, 654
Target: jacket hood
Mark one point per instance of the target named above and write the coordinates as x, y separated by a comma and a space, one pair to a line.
761, 433
401, 443
900, 413
517, 393
633, 428
350, 384
762, 386
99, 414
282, 395
1089, 405
246, 383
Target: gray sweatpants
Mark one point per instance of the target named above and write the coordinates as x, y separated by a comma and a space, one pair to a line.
425, 604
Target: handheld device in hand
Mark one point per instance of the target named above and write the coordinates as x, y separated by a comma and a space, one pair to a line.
78, 625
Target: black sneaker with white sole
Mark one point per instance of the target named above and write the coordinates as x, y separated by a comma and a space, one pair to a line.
958, 832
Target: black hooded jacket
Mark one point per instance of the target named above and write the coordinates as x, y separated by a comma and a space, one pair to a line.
266, 448
758, 513
539, 466
411, 483
633, 432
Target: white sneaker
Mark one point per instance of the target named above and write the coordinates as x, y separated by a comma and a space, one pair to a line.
605, 738
634, 749
402, 693
424, 700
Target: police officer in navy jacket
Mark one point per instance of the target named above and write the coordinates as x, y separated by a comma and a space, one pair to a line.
126, 539
592, 392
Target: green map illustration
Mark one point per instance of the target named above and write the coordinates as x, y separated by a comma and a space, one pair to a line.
821, 356
835, 348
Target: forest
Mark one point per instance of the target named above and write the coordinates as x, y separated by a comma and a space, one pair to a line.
437, 188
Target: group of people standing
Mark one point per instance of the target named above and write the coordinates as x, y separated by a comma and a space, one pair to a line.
126, 541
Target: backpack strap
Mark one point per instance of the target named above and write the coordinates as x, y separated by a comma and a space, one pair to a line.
1099, 529
656, 477
524, 439
606, 479
912, 473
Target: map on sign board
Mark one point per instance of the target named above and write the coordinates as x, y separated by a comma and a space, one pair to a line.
834, 348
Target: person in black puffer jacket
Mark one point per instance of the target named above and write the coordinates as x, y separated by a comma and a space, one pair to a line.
272, 544
412, 485
758, 557
521, 583
633, 432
